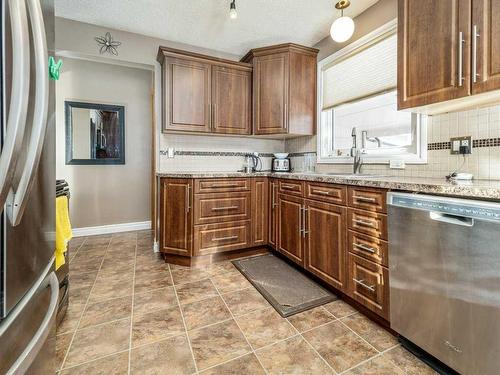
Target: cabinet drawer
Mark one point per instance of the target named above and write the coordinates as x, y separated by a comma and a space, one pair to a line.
216, 238
368, 247
216, 208
213, 185
368, 283
367, 199
326, 192
292, 187
367, 222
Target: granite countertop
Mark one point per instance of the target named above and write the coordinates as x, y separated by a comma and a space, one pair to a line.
486, 189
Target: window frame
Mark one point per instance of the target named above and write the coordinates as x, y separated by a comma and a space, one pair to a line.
420, 157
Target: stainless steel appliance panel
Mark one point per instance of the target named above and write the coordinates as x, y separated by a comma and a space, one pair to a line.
445, 278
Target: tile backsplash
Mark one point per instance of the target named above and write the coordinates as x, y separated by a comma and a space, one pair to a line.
213, 153
482, 124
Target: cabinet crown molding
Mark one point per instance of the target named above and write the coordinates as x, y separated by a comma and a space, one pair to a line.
279, 48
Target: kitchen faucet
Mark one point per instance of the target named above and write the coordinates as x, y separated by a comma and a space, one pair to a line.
356, 153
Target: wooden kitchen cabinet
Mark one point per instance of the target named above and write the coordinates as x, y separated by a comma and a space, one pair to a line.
204, 94
485, 45
290, 227
186, 95
434, 51
231, 100
325, 239
176, 216
260, 204
273, 213
284, 89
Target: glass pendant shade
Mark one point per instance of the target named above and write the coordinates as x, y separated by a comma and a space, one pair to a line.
342, 29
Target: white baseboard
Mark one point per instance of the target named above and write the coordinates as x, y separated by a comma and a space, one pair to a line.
113, 228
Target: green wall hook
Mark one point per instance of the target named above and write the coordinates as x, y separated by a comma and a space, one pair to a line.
54, 68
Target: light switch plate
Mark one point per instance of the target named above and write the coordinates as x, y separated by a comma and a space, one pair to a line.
460, 141
170, 152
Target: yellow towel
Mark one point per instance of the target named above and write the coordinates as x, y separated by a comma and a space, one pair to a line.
63, 229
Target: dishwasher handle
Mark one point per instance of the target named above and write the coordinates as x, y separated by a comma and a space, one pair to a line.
452, 219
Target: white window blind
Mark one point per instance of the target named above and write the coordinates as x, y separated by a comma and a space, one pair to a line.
363, 73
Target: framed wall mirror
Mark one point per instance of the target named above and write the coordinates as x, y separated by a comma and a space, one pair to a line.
95, 133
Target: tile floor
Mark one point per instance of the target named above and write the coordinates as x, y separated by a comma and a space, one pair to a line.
131, 313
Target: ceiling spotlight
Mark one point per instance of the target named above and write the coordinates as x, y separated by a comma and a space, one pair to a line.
232, 10
343, 27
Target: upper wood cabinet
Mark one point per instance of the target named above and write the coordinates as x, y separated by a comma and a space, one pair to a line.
448, 51
205, 94
284, 89
433, 51
231, 100
485, 45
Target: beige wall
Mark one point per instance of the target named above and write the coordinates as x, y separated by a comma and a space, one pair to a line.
108, 194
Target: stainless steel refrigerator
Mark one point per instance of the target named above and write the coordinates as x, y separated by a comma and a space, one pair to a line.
28, 285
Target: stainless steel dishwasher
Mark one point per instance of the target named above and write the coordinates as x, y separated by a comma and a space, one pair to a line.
444, 267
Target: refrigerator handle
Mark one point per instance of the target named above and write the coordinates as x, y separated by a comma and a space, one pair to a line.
19, 95
26, 358
17, 200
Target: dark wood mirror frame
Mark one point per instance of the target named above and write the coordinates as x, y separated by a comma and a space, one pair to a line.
70, 160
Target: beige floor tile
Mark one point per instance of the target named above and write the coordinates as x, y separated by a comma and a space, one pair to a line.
340, 309
246, 365
377, 366
72, 317
99, 341
339, 346
62, 346
196, 291
264, 327
310, 319
157, 325
229, 282
220, 267
202, 313
116, 364
106, 311
154, 300
151, 281
370, 331
407, 362
82, 280
245, 301
84, 266
142, 268
79, 294
98, 240
188, 275
293, 356
217, 343
107, 288
171, 356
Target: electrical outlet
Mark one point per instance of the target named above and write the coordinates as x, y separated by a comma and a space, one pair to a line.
170, 152
397, 164
461, 145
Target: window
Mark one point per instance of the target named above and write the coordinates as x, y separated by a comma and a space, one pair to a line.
358, 97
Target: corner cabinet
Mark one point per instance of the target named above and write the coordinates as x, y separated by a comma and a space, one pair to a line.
204, 94
284, 89
448, 52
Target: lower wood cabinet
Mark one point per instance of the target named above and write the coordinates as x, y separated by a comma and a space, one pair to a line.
368, 284
260, 204
216, 238
290, 219
176, 216
273, 213
325, 238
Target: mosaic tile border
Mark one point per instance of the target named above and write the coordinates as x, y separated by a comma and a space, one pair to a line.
229, 153
476, 143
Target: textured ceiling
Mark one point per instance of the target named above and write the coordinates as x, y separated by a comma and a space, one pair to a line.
206, 23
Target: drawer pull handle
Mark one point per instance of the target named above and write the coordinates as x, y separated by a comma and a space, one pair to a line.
225, 208
364, 247
224, 186
362, 283
289, 187
321, 192
364, 199
365, 223
225, 238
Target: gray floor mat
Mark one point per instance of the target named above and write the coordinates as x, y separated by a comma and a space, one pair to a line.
287, 289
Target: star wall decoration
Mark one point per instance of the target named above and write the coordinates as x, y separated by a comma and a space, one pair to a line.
107, 44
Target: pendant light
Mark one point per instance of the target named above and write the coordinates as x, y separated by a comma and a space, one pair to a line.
232, 10
343, 27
